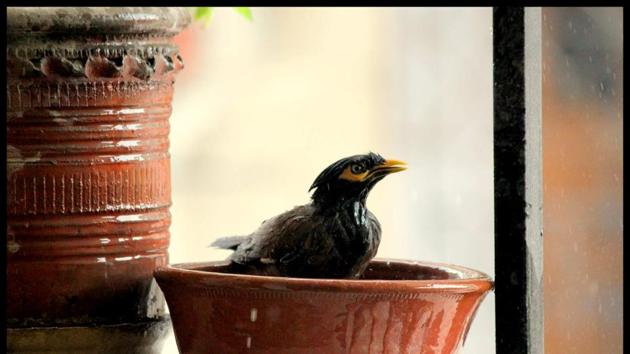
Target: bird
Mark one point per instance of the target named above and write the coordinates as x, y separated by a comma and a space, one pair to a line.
333, 236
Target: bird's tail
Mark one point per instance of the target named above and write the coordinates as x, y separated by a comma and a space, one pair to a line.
228, 243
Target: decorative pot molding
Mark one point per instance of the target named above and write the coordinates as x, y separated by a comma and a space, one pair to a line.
142, 62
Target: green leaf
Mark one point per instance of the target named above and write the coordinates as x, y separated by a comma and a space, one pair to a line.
245, 12
203, 14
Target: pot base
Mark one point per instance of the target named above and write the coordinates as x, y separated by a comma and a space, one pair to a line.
137, 338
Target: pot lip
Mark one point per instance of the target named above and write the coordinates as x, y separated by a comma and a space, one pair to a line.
80, 21
471, 280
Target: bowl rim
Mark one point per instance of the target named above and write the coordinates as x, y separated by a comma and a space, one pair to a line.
473, 280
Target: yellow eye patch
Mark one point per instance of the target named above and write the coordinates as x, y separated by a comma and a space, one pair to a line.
349, 176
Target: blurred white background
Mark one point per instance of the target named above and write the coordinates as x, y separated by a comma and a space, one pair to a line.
262, 107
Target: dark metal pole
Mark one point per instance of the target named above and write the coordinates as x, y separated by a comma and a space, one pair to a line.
518, 179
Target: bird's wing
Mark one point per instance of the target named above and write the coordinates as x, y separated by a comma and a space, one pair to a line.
229, 242
232, 242
279, 239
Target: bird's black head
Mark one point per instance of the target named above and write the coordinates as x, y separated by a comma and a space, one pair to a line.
351, 179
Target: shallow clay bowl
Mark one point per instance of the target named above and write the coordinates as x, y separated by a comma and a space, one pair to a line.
397, 307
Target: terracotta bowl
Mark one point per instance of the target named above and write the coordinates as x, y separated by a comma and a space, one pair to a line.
397, 307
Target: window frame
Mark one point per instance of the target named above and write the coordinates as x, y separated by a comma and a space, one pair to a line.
517, 56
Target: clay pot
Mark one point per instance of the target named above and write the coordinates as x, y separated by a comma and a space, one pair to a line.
89, 95
398, 307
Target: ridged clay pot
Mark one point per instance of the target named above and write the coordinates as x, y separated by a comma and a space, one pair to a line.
89, 95
398, 307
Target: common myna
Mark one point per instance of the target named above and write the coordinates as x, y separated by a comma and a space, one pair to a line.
333, 236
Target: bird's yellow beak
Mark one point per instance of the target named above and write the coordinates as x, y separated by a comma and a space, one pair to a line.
391, 166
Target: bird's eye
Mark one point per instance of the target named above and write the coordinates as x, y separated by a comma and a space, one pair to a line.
356, 169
